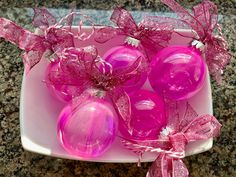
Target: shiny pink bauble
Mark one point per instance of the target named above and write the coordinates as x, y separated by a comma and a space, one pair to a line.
88, 129
147, 116
177, 72
123, 57
63, 93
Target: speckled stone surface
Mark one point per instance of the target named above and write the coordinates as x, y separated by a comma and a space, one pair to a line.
220, 161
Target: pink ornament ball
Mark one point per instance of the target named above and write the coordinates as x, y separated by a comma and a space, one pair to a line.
147, 116
178, 72
123, 57
88, 129
63, 93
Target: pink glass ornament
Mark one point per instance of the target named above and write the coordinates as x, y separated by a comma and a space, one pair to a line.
88, 129
63, 93
122, 57
147, 116
178, 72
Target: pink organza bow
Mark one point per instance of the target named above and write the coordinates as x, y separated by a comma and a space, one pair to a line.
83, 68
153, 33
59, 34
33, 45
52, 36
172, 142
204, 21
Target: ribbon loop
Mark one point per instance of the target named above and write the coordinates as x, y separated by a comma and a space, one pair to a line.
43, 18
124, 20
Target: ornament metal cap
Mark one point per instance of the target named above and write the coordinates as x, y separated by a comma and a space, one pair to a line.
198, 44
132, 41
96, 92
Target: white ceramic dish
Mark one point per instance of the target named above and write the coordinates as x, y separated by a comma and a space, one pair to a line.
39, 111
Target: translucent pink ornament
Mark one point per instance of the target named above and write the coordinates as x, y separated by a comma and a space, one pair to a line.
178, 72
63, 93
147, 116
89, 128
123, 57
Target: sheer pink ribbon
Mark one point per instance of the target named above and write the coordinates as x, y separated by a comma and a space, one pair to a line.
204, 20
171, 144
55, 36
85, 69
33, 45
153, 34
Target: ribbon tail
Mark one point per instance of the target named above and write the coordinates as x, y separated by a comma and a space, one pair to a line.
81, 98
160, 167
165, 166
13, 33
122, 104
179, 169
155, 169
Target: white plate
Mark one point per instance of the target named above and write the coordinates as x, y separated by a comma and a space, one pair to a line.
39, 111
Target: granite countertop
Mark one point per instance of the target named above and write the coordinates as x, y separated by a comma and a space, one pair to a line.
220, 161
